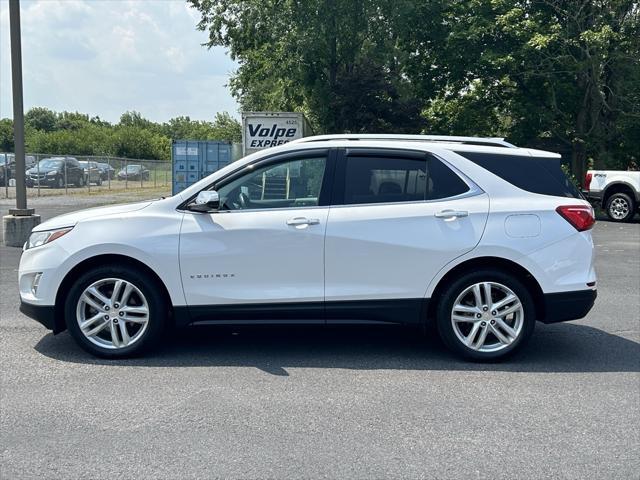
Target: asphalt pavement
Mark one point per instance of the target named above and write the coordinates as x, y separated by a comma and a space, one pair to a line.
330, 402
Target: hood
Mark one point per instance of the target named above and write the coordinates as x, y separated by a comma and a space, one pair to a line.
42, 170
70, 219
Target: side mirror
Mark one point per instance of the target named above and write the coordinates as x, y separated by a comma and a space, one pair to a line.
206, 201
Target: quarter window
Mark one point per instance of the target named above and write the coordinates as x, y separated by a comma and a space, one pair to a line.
371, 179
295, 183
534, 174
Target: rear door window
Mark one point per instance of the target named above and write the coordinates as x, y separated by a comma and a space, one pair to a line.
541, 175
378, 178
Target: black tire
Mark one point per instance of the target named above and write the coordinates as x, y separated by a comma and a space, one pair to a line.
155, 301
60, 182
81, 181
616, 205
451, 293
99, 182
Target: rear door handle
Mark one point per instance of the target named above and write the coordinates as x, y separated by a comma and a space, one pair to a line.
302, 221
452, 214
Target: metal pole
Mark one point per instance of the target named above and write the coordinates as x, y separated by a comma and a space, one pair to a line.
38, 157
18, 109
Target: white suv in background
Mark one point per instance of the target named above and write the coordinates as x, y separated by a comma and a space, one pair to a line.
476, 235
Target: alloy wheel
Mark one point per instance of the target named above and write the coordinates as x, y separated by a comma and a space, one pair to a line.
487, 317
619, 208
112, 313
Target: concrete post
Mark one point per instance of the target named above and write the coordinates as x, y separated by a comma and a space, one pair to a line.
17, 226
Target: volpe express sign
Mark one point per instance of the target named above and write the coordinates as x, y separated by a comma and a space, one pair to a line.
268, 129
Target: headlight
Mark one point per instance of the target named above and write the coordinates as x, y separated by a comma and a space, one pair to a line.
51, 174
37, 239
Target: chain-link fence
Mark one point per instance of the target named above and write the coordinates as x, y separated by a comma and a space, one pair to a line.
48, 175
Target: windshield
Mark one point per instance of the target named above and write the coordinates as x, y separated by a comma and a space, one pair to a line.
133, 168
83, 163
4, 158
50, 163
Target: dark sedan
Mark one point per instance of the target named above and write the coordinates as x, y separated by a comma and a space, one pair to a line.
106, 171
91, 172
56, 172
134, 172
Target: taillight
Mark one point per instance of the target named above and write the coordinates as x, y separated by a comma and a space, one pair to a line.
580, 216
587, 181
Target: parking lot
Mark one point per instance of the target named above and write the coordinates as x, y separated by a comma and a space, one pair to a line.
328, 402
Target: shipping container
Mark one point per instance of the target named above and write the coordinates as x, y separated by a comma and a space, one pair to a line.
193, 160
262, 130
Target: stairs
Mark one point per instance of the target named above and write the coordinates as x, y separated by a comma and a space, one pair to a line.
275, 187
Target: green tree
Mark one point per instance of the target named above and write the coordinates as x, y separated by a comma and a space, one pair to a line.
563, 73
41, 118
560, 70
226, 128
6, 135
314, 56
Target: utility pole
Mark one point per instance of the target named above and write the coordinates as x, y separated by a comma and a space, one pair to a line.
18, 224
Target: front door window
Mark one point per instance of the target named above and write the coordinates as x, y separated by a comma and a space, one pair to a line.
294, 183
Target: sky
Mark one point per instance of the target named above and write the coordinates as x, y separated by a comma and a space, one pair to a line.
104, 57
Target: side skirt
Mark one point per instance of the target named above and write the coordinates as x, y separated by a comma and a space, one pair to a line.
398, 311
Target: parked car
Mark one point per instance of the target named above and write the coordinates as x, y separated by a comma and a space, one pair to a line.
134, 172
56, 172
106, 171
92, 172
8, 166
617, 191
481, 239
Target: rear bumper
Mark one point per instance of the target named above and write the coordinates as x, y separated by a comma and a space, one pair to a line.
43, 314
565, 306
593, 197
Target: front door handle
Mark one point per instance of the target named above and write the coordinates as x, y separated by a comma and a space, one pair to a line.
452, 214
302, 221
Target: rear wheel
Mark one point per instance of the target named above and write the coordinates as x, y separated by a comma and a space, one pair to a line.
620, 207
486, 315
60, 182
115, 312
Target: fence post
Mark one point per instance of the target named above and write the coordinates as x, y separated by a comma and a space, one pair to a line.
155, 174
6, 176
109, 172
141, 173
126, 174
38, 172
88, 175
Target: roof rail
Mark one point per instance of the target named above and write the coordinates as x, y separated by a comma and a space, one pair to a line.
495, 142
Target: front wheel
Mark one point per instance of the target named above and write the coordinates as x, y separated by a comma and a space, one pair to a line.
115, 312
486, 315
620, 207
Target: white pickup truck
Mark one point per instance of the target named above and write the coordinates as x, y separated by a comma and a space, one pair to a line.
618, 191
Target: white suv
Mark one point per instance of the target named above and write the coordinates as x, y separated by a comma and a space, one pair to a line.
476, 235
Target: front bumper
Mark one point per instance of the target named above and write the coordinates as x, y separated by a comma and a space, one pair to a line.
43, 314
44, 182
565, 306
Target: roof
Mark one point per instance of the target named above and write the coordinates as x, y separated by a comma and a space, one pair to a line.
454, 143
491, 141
